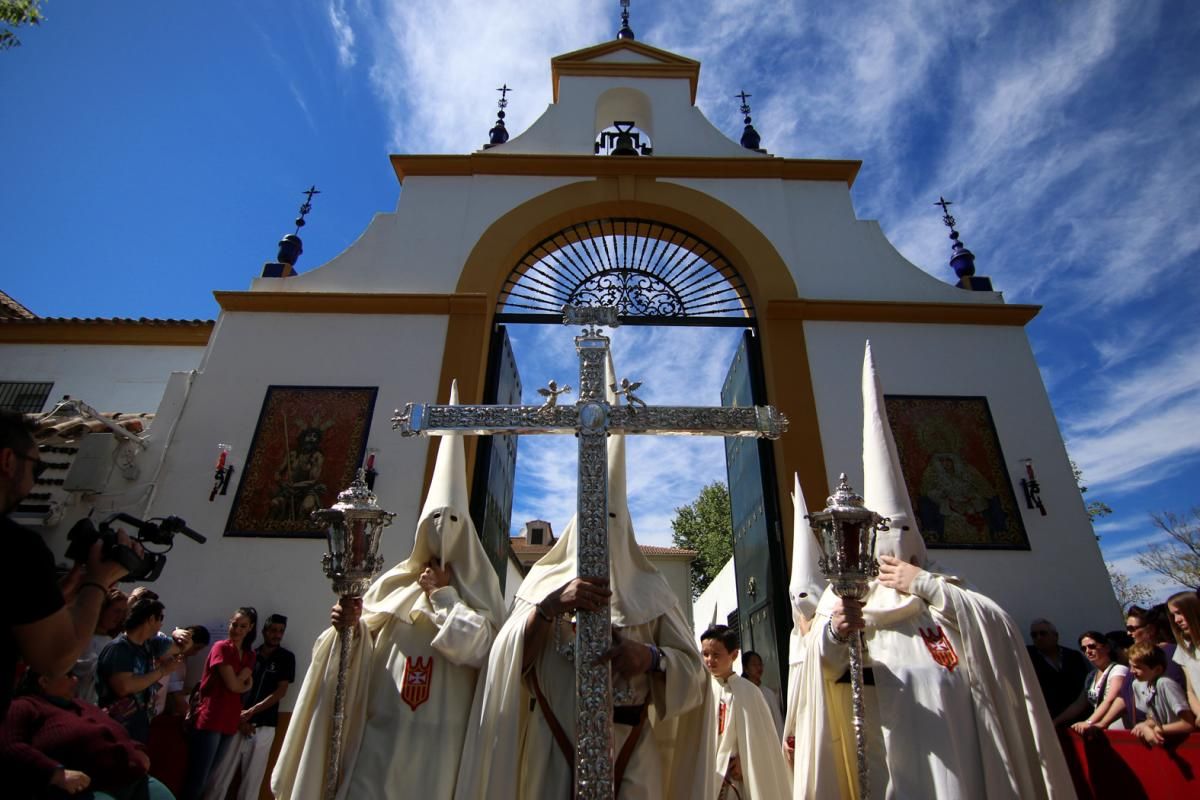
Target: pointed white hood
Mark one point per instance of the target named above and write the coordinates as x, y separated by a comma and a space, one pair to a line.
640, 593
444, 532
883, 481
807, 582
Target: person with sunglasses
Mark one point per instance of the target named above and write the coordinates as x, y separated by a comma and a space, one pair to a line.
1060, 670
1108, 690
1150, 625
40, 627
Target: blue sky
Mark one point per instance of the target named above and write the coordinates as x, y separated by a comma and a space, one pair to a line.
155, 151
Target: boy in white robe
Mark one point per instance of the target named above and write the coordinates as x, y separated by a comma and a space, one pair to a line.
749, 762
426, 628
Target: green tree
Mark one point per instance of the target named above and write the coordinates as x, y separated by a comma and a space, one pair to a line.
1095, 508
1128, 593
1178, 558
706, 526
13, 14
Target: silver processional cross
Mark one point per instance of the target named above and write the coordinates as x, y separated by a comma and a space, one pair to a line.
592, 419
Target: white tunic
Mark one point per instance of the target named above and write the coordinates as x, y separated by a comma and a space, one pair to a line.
933, 730
395, 740
745, 729
511, 753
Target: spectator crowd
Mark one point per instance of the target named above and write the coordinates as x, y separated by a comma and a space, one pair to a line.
1144, 679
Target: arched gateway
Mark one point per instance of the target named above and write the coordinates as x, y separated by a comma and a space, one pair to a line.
653, 273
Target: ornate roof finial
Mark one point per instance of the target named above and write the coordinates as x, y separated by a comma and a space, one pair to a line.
626, 32
962, 259
499, 134
750, 138
290, 246
306, 207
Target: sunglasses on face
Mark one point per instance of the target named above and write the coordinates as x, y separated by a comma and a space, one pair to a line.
1132, 628
1041, 633
39, 466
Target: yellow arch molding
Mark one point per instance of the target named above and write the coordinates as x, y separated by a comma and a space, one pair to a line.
785, 357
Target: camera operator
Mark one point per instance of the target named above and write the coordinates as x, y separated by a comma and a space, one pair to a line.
39, 626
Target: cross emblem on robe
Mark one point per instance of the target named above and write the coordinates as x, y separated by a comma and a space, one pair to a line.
592, 418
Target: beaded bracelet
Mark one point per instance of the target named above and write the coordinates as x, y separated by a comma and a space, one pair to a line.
834, 634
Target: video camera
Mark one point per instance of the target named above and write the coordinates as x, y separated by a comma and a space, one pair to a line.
146, 567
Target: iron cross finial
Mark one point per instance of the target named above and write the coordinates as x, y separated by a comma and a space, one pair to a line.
744, 97
946, 218
306, 207
504, 90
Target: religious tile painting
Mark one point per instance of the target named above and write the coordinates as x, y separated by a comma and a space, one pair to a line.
309, 442
955, 472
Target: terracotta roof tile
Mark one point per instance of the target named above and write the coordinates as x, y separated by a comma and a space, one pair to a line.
653, 550
76, 426
11, 309
107, 321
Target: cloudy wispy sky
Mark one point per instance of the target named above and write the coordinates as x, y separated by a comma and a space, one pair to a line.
153, 152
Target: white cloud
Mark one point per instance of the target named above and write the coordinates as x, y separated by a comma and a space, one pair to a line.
343, 33
678, 366
1143, 425
435, 67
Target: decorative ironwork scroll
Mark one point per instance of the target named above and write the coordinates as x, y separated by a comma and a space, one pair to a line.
592, 419
637, 267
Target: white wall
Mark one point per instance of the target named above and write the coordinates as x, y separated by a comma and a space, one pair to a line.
423, 245
125, 378
203, 584
1062, 577
676, 126
678, 574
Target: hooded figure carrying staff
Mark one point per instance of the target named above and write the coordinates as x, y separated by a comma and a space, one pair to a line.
425, 629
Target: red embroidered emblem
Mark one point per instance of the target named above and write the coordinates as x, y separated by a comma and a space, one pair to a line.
940, 648
418, 675
721, 718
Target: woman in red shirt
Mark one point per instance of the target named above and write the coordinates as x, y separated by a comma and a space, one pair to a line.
228, 672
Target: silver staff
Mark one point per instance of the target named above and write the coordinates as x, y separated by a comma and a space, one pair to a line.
847, 532
355, 525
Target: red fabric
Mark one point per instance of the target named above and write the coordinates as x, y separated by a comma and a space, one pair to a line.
220, 707
1118, 765
37, 735
167, 749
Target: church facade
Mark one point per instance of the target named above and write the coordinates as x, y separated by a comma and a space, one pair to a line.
301, 372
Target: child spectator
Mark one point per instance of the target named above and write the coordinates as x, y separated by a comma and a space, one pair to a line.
750, 761
1159, 698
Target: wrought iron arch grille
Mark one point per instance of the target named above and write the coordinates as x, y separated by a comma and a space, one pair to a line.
652, 272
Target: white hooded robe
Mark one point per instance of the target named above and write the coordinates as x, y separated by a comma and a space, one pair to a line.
397, 743
511, 752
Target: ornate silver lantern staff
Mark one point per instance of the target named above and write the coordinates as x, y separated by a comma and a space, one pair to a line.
355, 525
847, 531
